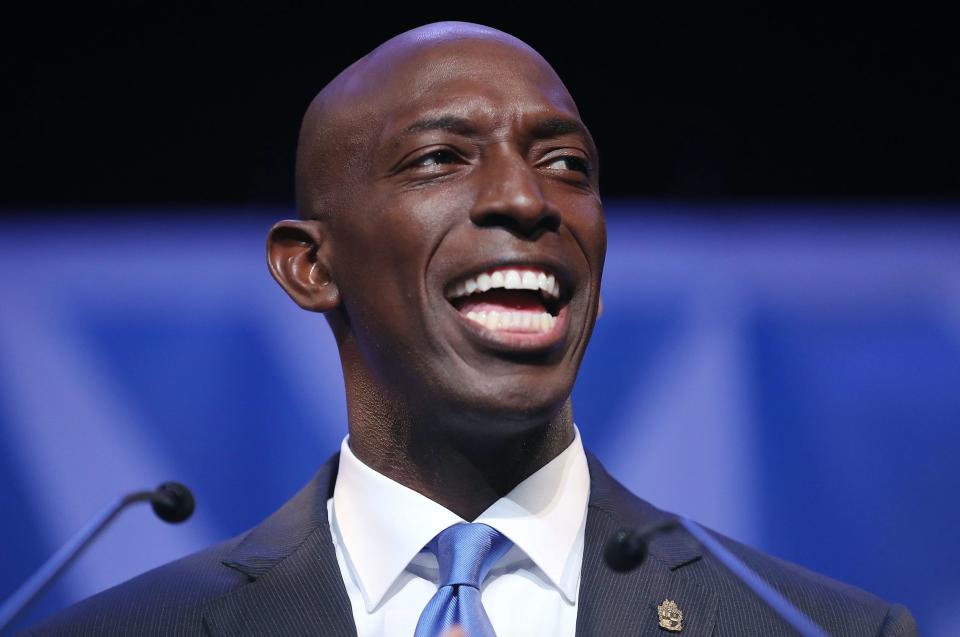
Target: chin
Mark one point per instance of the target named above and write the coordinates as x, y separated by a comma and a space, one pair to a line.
510, 408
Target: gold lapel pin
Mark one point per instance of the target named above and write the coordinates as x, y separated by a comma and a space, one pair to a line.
671, 617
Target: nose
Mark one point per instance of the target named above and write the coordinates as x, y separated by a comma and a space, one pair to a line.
510, 196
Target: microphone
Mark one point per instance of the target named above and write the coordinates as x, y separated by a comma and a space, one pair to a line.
172, 502
627, 549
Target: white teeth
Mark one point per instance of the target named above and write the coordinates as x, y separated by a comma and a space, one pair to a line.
529, 281
483, 282
533, 280
529, 322
479, 317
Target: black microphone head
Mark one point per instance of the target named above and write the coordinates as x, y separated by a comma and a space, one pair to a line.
172, 502
625, 550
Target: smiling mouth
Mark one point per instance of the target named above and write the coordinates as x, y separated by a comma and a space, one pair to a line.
509, 300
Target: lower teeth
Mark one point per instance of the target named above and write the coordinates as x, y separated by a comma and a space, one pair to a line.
515, 321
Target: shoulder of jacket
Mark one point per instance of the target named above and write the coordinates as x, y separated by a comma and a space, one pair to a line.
165, 600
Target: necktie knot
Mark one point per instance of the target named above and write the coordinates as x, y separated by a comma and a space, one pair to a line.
467, 552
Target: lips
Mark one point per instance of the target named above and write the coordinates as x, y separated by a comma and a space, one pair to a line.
513, 305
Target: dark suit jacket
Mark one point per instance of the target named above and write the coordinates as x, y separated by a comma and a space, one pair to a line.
282, 578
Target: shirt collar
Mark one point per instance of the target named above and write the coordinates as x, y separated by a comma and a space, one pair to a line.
545, 516
382, 525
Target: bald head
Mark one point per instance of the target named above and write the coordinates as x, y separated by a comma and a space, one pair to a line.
347, 117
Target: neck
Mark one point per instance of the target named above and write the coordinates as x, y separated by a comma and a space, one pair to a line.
462, 467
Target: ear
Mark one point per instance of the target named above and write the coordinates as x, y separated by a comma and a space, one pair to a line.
298, 256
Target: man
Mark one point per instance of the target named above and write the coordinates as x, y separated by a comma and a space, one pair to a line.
452, 233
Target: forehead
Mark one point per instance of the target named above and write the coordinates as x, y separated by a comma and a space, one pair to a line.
481, 80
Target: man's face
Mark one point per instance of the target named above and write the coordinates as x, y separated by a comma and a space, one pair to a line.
478, 183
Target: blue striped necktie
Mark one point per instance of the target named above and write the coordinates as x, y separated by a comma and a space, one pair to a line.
466, 553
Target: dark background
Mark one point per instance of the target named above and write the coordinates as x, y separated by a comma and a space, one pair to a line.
156, 104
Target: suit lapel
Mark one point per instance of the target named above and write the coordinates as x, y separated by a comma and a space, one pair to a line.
295, 586
612, 603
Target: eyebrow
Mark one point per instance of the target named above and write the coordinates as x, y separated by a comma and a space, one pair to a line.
448, 123
552, 127
543, 129
556, 126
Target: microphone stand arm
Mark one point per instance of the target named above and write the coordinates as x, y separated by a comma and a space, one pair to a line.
777, 602
18, 602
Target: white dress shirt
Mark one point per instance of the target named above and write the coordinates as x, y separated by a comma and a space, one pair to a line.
380, 528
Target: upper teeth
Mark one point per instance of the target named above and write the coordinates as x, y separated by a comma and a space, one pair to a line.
509, 280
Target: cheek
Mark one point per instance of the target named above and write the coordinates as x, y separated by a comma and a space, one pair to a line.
380, 261
425, 214
412, 222
402, 236
601, 244
587, 224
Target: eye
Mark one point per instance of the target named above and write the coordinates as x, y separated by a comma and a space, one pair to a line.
569, 162
435, 158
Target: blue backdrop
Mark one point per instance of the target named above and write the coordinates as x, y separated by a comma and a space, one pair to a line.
790, 380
